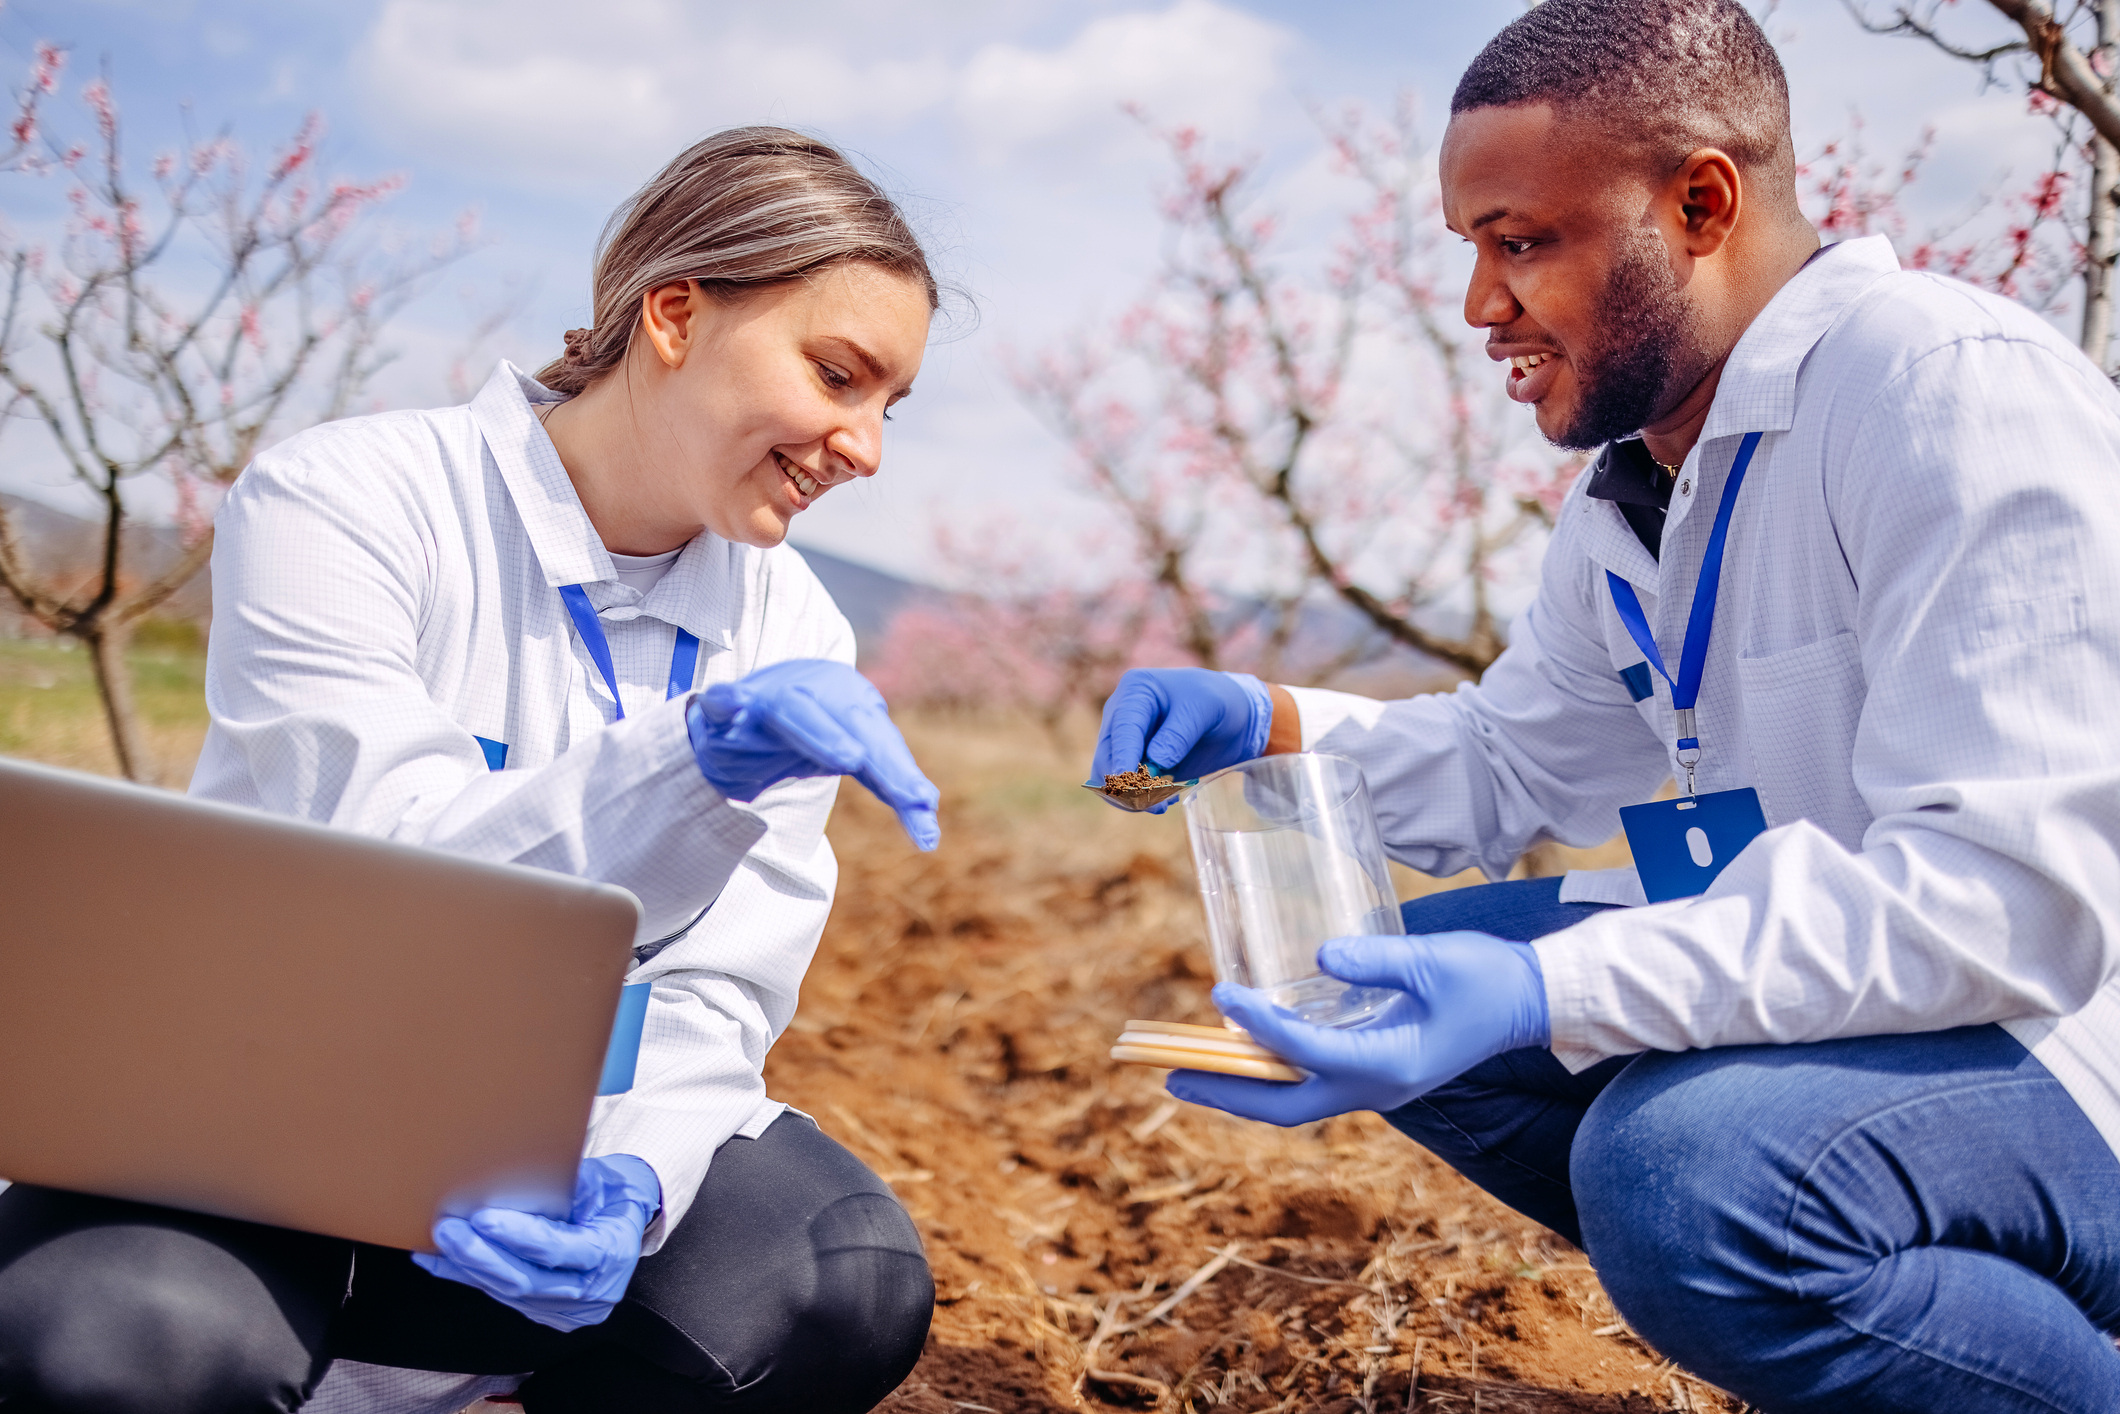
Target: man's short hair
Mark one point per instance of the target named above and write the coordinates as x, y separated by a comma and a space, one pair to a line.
1666, 76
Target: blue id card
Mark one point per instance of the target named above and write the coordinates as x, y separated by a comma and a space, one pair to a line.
622, 1057
1681, 845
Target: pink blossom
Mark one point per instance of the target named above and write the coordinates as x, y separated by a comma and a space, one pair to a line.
300, 150
45, 68
96, 94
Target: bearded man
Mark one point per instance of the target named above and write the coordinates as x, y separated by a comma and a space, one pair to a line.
1833, 1105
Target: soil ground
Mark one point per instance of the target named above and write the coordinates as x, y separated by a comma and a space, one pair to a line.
1095, 1244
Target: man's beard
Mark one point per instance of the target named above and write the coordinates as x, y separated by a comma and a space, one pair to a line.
1646, 355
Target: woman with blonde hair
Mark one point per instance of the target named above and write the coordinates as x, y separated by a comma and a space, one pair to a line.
559, 627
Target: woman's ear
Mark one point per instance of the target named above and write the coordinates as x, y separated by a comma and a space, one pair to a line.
669, 316
1710, 195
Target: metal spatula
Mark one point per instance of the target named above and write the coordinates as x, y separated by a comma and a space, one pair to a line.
1139, 797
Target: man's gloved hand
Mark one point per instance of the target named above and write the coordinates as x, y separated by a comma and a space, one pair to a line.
559, 1274
809, 717
1466, 997
1185, 722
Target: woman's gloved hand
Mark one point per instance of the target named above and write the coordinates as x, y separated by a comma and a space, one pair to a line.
809, 717
559, 1274
1464, 998
1185, 722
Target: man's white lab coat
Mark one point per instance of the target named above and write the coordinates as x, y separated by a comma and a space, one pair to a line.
1916, 661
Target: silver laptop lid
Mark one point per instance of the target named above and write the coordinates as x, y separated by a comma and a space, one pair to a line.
235, 1013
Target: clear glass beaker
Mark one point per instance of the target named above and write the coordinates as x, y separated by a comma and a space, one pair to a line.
1289, 856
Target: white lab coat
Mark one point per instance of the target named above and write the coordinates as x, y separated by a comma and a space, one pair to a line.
1917, 642
386, 593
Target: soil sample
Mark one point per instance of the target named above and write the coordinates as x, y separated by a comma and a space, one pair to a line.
1138, 789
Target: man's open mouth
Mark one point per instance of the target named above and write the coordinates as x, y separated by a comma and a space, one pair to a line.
1531, 375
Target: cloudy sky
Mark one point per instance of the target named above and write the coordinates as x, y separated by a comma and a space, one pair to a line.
998, 120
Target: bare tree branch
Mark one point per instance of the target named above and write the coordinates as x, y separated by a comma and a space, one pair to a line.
184, 323
1904, 23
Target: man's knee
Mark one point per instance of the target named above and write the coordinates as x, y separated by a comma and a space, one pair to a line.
111, 1320
1677, 1185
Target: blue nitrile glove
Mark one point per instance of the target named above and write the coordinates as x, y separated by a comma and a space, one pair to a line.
1465, 997
559, 1274
809, 717
1185, 722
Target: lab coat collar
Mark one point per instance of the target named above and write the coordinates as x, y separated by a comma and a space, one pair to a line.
1758, 388
1611, 544
699, 593
566, 544
702, 593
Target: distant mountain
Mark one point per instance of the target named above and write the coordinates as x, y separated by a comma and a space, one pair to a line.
869, 598
68, 548
60, 543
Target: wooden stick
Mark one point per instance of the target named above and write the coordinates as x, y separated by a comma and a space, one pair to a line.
1200, 1060
1185, 1028
1226, 1046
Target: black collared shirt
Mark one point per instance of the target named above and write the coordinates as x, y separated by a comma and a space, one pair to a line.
1626, 475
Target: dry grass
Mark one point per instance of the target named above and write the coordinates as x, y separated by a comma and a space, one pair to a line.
1095, 1245
49, 710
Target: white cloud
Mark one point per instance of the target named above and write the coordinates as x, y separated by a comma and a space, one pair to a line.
1197, 61
546, 91
565, 93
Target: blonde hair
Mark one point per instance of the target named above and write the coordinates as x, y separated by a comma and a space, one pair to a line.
738, 211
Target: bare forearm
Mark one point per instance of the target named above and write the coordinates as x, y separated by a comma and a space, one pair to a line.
1286, 733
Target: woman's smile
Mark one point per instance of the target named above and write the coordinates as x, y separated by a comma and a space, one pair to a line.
805, 486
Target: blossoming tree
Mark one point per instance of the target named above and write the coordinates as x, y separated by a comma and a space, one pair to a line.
178, 320
1308, 425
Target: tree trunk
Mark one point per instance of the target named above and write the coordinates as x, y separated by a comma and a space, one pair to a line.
107, 643
2102, 238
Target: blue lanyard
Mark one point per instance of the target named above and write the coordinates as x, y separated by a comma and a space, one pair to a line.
684, 658
1693, 659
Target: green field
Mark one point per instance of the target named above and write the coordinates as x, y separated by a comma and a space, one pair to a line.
49, 710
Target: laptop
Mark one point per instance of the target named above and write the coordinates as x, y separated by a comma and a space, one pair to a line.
230, 1012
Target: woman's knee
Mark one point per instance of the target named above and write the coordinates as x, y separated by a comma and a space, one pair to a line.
796, 1281
873, 1298
832, 1325
111, 1320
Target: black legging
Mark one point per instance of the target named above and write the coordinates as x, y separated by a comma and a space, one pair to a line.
795, 1282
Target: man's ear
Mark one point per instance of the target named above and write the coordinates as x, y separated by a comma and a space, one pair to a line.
669, 317
1709, 196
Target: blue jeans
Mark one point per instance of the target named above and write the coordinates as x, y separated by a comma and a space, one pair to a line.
1920, 1223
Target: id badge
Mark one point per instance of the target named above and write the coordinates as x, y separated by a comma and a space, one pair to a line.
1681, 845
